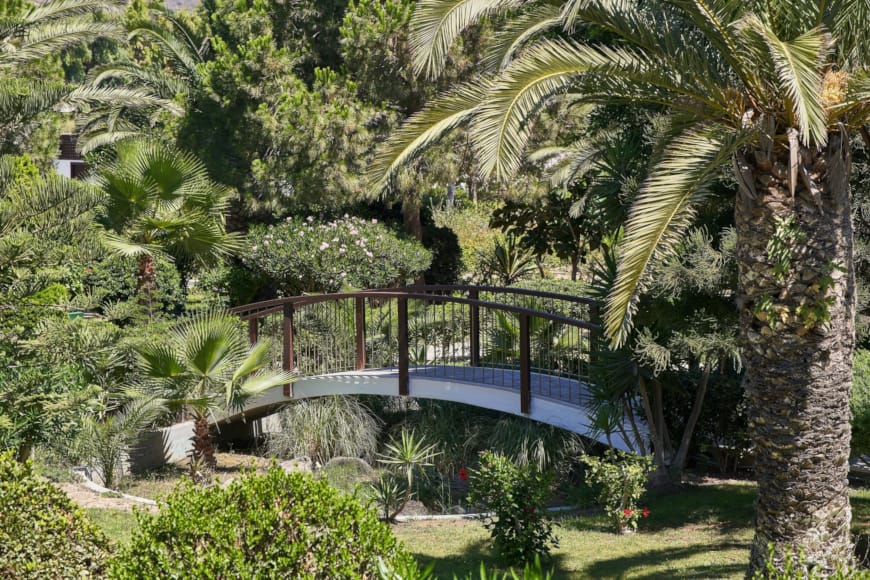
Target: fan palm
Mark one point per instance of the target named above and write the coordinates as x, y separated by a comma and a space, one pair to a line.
206, 365
771, 91
159, 200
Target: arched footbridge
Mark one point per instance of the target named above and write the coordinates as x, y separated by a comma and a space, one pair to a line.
513, 350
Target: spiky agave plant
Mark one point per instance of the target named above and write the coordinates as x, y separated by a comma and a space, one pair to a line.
772, 91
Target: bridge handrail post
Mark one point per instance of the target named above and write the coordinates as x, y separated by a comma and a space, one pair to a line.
288, 362
594, 337
403, 345
525, 366
474, 317
360, 310
253, 330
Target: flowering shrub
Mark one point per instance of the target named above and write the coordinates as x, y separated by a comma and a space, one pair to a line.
515, 495
310, 255
621, 478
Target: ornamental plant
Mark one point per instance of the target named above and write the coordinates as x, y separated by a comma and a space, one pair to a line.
43, 534
316, 255
515, 496
621, 481
275, 525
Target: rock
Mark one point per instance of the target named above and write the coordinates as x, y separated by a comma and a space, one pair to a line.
302, 464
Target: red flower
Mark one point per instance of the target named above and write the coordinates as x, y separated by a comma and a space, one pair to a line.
463, 474
626, 512
645, 512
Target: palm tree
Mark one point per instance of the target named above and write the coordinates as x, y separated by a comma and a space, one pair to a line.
159, 200
29, 36
205, 365
771, 90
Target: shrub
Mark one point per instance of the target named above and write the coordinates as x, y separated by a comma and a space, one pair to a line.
516, 496
308, 255
621, 480
114, 280
326, 427
43, 534
276, 525
861, 403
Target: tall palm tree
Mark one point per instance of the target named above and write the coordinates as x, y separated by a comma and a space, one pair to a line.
206, 366
772, 90
159, 200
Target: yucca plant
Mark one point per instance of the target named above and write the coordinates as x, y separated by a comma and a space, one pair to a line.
204, 366
772, 92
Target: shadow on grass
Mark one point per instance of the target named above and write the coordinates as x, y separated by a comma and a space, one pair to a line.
728, 508
650, 565
467, 563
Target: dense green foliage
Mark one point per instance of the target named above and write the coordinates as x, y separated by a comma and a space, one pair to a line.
515, 495
312, 255
276, 525
621, 480
861, 403
43, 534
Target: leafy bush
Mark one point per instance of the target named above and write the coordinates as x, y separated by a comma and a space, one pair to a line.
516, 496
861, 402
308, 255
621, 479
43, 534
276, 525
446, 266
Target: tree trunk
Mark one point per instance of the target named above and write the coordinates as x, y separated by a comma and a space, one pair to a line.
660, 477
679, 463
147, 281
412, 222
203, 447
798, 369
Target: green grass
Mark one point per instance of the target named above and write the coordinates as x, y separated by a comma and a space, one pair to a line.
699, 533
118, 525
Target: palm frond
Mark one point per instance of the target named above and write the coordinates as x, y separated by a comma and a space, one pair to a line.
501, 128
798, 64
438, 23
421, 131
662, 212
517, 32
50, 39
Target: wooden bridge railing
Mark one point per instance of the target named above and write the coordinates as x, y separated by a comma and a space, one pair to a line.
484, 330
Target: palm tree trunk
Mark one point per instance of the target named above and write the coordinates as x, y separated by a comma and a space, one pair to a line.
798, 368
147, 281
203, 446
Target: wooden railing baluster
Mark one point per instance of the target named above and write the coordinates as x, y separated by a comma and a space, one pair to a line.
525, 366
289, 363
403, 346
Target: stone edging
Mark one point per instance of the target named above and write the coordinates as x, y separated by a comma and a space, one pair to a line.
96, 488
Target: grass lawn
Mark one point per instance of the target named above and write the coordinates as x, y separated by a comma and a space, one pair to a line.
118, 525
701, 532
